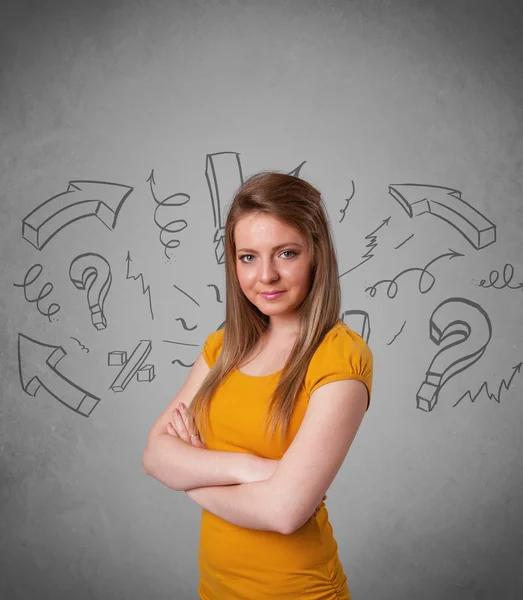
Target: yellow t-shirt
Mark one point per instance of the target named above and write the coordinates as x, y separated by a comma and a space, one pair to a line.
237, 563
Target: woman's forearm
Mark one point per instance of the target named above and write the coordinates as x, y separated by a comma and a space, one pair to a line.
249, 505
181, 466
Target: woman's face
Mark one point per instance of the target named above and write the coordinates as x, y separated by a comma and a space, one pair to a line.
272, 257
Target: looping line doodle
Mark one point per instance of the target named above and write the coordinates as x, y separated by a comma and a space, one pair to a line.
53, 308
83, 198
448, 205
454, 318
347, 202
92, 272
145, 290
508, 274
33, 375
172, 227
425, 275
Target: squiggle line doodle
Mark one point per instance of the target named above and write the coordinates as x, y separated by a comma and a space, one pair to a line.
217, 290
424, 274
179, 362
172, 226
508, 274
186, 294
403, 242
53, 308
347, 200
82, 346
144, 289
496, 397
184, 324
394, 338
371, 245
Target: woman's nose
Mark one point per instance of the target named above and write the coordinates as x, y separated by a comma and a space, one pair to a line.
268, 272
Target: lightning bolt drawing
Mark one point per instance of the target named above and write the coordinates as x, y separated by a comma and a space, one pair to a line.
140, 276
496, 397
372, 237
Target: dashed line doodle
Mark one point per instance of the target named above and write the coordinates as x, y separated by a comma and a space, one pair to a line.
217, 291
425, 275
448, 205
92, 272
347, 202
372, 237
470, 324
80, 343
83, 198
171, 227
358, 321
403, 242
186, 294
516, 370
399, 332
184, 324
139, 276
223, 172
508, 275
32, 356
47, 288
131, 366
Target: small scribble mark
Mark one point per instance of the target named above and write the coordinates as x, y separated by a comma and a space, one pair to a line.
186, 294
403, 242
217, 291
184, 324
179, 343
81, 345
394, 338
347, 202
179, 362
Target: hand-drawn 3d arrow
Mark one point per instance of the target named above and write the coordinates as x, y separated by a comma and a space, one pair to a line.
43, 372
83, 198
447, 204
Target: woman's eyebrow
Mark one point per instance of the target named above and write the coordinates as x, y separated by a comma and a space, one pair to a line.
275, 247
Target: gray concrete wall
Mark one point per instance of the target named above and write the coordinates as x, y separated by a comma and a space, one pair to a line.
408, 117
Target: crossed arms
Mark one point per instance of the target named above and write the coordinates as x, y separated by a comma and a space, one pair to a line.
225, 483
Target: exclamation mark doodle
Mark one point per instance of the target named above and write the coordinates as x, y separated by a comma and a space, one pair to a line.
223, 172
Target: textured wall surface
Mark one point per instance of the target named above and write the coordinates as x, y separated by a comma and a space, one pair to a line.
125, 128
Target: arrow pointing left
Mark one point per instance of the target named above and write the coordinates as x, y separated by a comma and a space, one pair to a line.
37, 367
82, 198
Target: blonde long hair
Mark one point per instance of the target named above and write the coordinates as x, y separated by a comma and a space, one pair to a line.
298, 204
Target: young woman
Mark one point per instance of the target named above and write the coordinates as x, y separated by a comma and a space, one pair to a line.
278, 395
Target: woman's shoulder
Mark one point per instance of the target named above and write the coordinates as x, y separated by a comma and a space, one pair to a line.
212, 346
342, 338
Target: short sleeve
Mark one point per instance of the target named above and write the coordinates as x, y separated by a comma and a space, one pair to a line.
212, 346
342, 354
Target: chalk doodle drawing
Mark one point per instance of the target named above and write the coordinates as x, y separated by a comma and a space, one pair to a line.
396, 336
347, 202
186, 294
47, 288
145, 290
32, 356
82, 199
184, 324
217, 291
453, 318
508, 275
92, 272
448, 205
425, 276
176, 360
171, 228
403, 242
372, 237
516, 370
131, 366
80, 343
358, 321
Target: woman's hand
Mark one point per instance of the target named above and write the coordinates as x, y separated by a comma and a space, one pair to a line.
183, 427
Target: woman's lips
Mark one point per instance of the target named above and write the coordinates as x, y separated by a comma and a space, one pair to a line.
272, 296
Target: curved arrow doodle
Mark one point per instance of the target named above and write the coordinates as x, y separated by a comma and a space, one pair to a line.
83, 198
471, 325
447, 204
92, 272
372, 237
34, 375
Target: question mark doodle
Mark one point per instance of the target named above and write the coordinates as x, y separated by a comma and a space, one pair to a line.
471, 325
92, 272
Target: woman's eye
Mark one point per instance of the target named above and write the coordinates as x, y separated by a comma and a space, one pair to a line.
243, 256
287, 252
